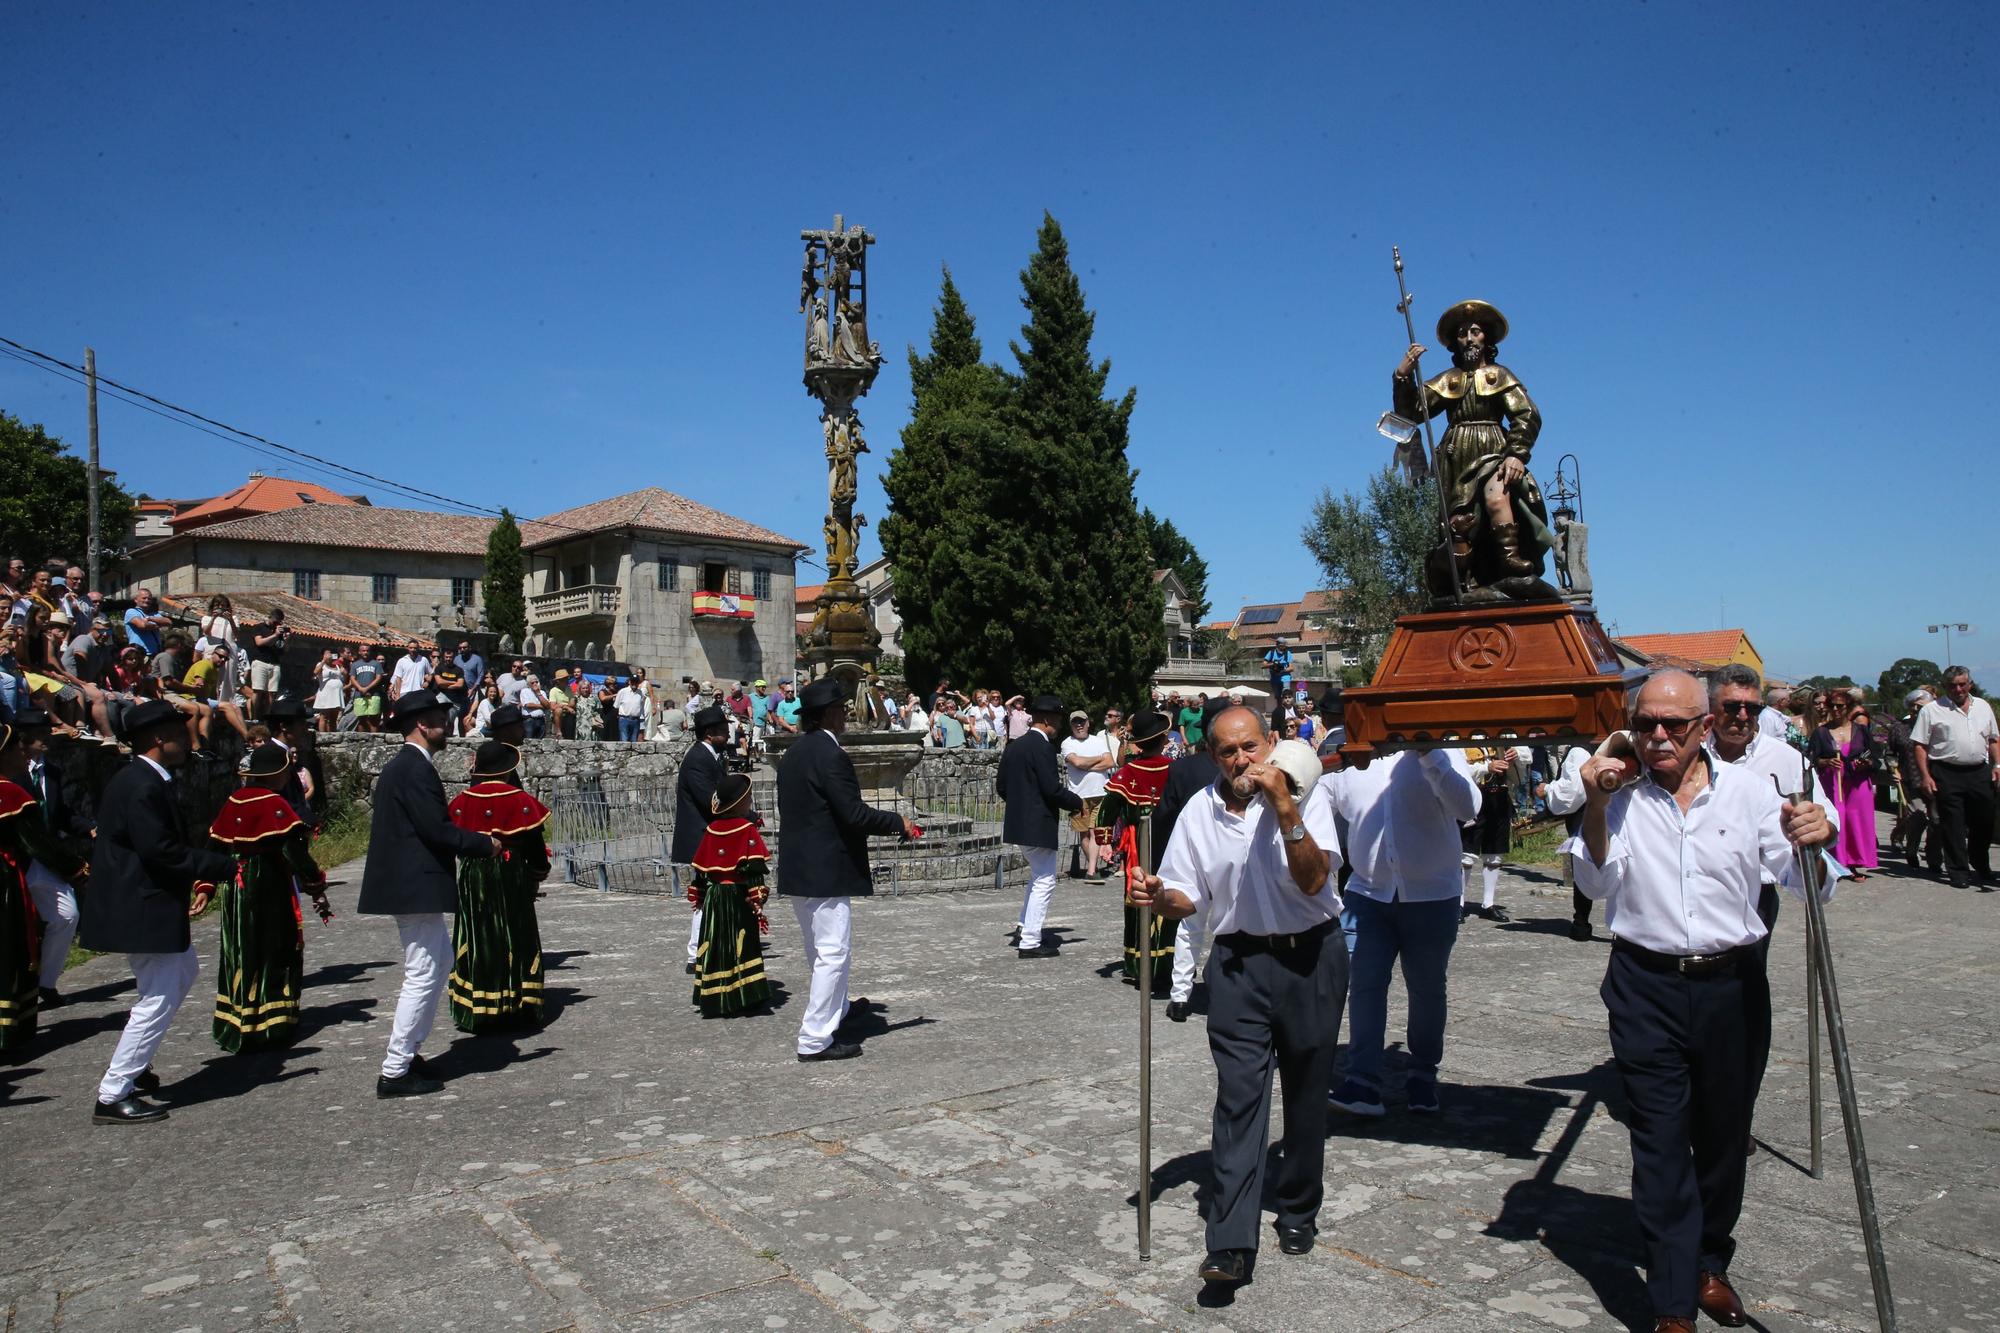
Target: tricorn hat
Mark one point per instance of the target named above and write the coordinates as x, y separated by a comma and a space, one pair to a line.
416, 703
822, 694
731, 790
709, 718
1149, 727
495, 759
1472, 312
268, 760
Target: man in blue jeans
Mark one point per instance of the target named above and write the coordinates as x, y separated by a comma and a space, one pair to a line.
1402, 815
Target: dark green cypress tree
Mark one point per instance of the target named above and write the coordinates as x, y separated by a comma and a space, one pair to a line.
1172, 550
506, 604
1088, 617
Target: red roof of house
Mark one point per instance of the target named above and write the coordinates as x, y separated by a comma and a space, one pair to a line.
313, 619
260, 495
1710, 646
654, 510
364, 527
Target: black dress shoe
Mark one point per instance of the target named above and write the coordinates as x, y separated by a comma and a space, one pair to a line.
690, 969
419, 1065
50, 998
411, 1084
1225, 1266
127, 1110
1296, 1240
1042, 950
1495, 913
147, 1082
1177, 1011
839, 1050
1579, 930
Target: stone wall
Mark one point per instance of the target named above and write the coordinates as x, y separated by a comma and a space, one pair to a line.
353, 760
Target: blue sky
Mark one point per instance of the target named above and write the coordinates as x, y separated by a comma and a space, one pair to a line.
534, 256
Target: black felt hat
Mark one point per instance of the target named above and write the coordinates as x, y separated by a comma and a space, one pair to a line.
506, 715
416, 703
149, 716
822, 694
1149, 727
495, 759
1046, 703
709, 718
1213, 708
268, 760
731, 790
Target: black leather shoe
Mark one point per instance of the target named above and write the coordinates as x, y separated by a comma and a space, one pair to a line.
50, 998
1042, 950
419, 1065
147, 1082
127, 1110
1177, 1011
1225, 1266
1495, 913
411, 1084
1579, 930
839, 1050
1296, 1240
690, 969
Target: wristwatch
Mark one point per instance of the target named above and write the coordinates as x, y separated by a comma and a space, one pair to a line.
1296, 833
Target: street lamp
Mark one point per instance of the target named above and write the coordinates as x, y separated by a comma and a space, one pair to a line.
1947, 628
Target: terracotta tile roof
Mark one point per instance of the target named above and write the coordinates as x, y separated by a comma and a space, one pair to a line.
807, 594
366, 527
315, 620
259, 495
1712, 647
655, 510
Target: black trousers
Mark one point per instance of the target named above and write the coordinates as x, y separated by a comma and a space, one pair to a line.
1965, 817
1273, 1002
1687, 1050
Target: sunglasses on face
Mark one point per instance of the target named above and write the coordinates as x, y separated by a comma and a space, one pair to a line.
1676, 728
1741, 708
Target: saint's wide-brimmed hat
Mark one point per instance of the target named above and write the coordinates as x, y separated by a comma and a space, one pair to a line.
1149, 727
495, 759
822, 693
731, 790
1472, 312
268, 760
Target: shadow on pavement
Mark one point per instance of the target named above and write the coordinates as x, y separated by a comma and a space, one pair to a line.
1538, 925
555, 958
317, 1018
104, 991
9, 1076
68, 1031
340, 974
487, 1054
227, 1076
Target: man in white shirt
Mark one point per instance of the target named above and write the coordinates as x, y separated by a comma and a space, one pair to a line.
1402, 815
412, 673
1564, 794
1957, 749
1259, 862
1771, 722
1087, 764
1677, 857
631, 706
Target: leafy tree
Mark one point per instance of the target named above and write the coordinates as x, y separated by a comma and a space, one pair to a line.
1172, 550
1371, 548
506, 604
1906, 674
45, 504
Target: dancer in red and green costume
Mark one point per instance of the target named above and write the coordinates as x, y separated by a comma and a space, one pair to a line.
1129, 798
496, 971
730, 871
24, 840
261, 967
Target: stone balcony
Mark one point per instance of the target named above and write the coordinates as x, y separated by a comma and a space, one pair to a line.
585, 602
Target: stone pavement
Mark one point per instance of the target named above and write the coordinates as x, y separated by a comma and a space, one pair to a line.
635, 1168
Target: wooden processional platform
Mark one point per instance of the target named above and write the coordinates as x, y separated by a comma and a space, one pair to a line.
1495, 673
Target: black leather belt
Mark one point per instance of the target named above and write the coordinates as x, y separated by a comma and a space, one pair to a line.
1687, 964
1243, 942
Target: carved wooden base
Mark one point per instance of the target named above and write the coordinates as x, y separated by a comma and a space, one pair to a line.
1502, 672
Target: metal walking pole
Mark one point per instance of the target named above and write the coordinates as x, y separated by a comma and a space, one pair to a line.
1145, 1047
1815, 1113
1813, 872
1430, 445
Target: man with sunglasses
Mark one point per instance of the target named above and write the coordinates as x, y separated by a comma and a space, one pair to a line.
1676, 845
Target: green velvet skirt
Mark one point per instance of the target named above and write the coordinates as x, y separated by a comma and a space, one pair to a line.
262, 962
496, 973
729, 958
1162, 946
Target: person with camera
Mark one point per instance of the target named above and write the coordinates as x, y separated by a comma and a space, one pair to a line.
1675, 843
267, 656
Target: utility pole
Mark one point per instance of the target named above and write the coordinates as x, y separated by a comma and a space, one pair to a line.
95, 544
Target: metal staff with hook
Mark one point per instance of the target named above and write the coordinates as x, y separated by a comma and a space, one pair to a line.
1812, 872
1403, 304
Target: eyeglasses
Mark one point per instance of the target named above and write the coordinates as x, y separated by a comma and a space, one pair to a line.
1741, 707
1676, 728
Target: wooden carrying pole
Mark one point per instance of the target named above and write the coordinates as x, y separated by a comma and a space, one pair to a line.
1145, 867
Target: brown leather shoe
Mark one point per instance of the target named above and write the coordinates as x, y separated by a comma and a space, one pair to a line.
1672, 1323
1717, 1300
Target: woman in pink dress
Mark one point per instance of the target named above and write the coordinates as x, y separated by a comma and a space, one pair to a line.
1847, 757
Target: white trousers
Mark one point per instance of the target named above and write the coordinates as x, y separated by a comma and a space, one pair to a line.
55, 904
1041, 887
426, 963
694, 936
164, 980
1188, 948
826, 926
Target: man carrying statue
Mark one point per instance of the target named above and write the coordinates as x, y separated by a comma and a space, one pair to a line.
1498, 523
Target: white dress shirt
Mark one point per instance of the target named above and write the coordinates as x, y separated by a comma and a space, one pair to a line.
1687, 884
1769, 760
1953, 735
1232, 867
1402, 814
158, 767
1566, 795
1771, 722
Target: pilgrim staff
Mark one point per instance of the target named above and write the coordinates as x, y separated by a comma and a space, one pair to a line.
1130, 798
143, 869
411, 847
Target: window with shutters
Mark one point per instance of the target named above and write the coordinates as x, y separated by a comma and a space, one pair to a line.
305, 583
